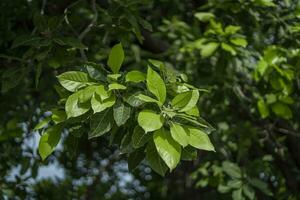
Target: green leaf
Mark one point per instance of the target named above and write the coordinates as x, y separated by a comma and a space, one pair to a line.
188, 153
262, 186
198, 139
186, 100
135, 158
286, 99
179, 134
237, 194
98, 105
116, 86
58, 116
74, 80
232, 169
135, 76
154, 160
100, 90
223, 188
262, 67
116, 58
232, 29
121, 113
282, 110
139, 137
239, 41
204, 16
267, 3
86, 94
49, 141
42, 123
263, 108
95, 71
235, 183
194, 111
158, 64
156, 85
100, 124
148, 99
25, 40
114, 77
11, 78
271, 98
149, 120
228, 48
168, 149
145, 24
248, 191
133, 100
187, 119
208, 49
74, 108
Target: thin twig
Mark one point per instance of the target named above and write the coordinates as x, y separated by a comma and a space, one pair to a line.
43, 7
88, 28
13, 58
288, 132
67, 19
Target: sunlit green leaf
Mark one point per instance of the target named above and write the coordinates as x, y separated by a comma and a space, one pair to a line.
154, 159
168, 149
135, 76
199, 139
74, 80
149, 120
179, 134
116, 58
74, 108
156, 85
49, 141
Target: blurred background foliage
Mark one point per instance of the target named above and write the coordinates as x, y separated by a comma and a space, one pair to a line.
246, 52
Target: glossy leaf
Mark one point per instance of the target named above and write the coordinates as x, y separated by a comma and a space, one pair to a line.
199, 139
74, 108
100, 124
156, 85
139, 137
148, 99
149, 120
135, 158
98, 105
168, 149
186, 100
179, 134
154, 159
121, 113
73, 80
116, 86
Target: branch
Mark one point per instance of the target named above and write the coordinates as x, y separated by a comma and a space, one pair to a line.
67, 19
43, 7
88, 28
288, 132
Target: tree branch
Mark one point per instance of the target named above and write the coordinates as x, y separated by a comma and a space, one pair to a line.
88, 28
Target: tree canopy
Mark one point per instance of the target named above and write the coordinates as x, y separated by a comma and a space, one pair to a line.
150, 99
